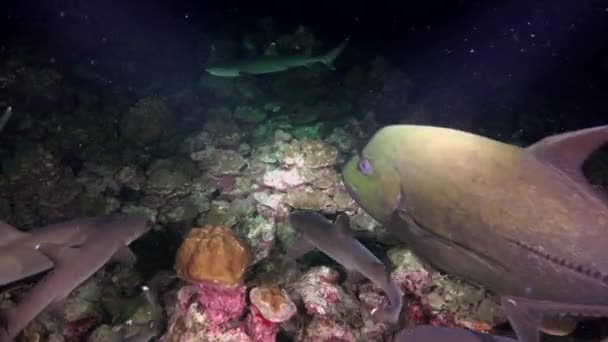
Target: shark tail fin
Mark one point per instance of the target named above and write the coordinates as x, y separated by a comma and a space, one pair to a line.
329, 58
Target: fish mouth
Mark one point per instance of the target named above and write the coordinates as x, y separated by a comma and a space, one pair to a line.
350, 190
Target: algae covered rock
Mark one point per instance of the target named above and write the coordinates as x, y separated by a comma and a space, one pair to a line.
220, 162
170, 177
148, 121
249, 114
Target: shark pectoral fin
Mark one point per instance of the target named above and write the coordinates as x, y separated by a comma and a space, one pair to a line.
525, 319
124, 256
56, 252
342, 225
528, 317
21, 262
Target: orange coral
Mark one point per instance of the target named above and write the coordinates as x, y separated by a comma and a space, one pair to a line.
213, 254
274, 303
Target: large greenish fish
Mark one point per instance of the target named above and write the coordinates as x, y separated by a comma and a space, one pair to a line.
523, 223
271, 64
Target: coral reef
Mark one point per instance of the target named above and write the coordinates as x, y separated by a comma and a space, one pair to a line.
231, 157
269, 307
148, 121
212, 254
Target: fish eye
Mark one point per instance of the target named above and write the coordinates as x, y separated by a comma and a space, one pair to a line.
365, 166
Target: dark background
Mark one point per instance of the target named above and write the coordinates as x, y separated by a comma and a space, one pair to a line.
544, 54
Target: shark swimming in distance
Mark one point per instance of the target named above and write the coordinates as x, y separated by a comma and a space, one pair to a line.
272, 64
523, 223
72, 266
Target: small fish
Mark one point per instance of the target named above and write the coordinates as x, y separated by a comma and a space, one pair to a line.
271, 64
74, 265
336, 241
428, 333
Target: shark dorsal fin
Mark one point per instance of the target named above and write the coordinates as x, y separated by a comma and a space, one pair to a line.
9, 233
343, 224
56, 252
568, 151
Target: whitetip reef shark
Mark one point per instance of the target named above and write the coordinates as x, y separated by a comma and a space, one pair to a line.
336, 241
20, 259
108, 239
271, 64
523, 223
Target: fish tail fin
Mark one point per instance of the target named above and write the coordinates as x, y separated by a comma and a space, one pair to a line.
329, 58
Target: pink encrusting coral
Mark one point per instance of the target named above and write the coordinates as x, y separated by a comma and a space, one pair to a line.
221, 303
259, 328
213, 259
269, 307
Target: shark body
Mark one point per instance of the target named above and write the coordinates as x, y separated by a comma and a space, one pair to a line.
521, 222
320, 233
272, 64
72, 266
18, 257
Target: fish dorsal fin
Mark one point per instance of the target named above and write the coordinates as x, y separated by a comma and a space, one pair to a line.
9, 233
56, 252
568, 151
